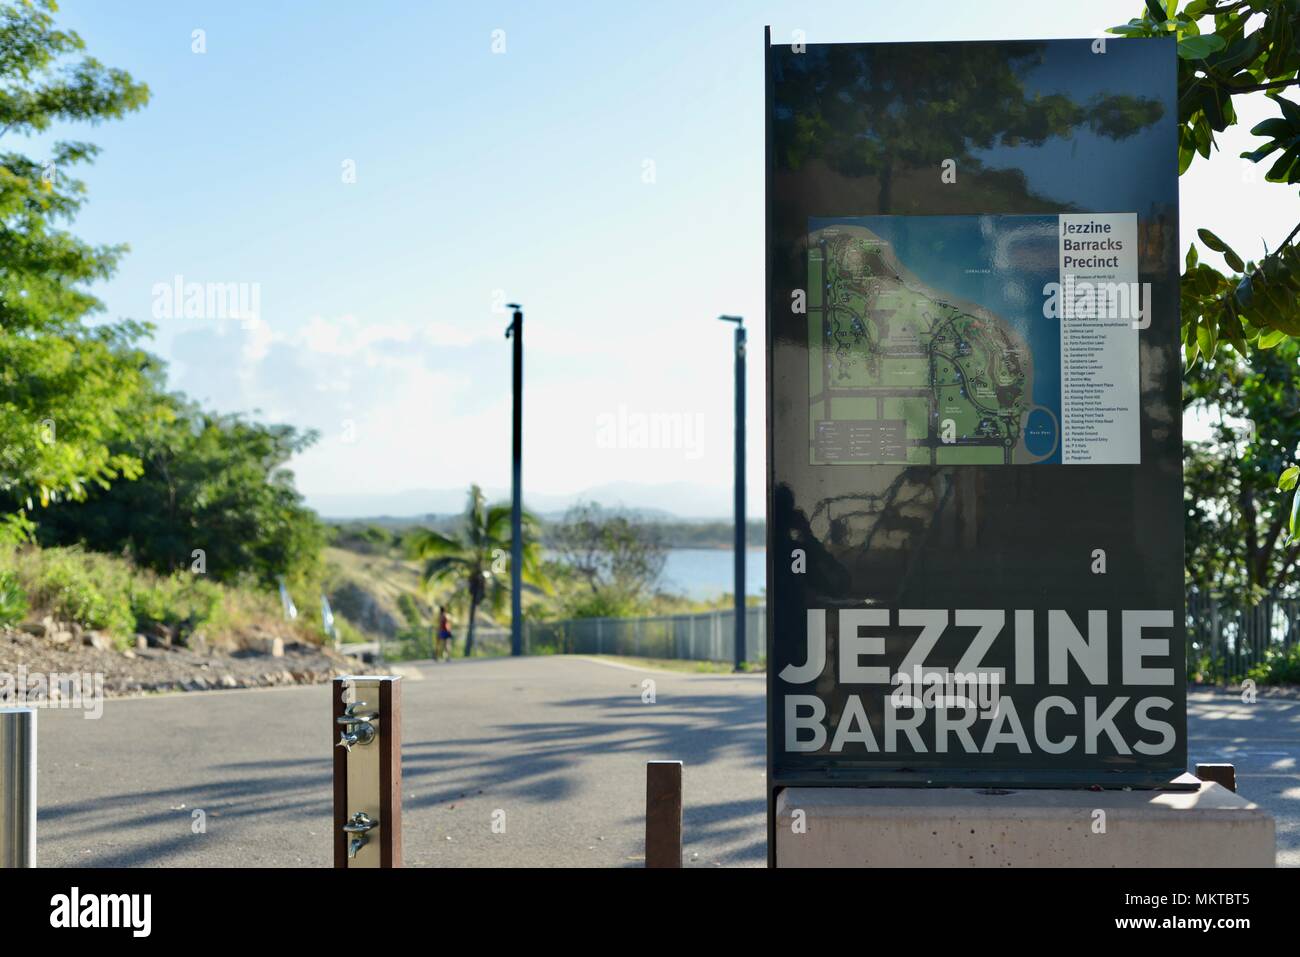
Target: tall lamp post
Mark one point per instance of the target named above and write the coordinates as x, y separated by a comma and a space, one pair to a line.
515, 331
740, 487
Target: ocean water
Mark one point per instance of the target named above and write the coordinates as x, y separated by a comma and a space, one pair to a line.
709, 572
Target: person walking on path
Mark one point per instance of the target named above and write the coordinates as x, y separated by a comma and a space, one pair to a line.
443, 651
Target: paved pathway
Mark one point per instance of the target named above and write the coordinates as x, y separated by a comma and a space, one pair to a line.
559, 744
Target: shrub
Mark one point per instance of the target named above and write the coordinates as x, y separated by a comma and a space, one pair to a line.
110, 594
13, 600
602, 604
1278, 667
91, 590
182, 601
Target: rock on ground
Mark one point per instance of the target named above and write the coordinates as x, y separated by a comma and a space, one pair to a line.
149, 667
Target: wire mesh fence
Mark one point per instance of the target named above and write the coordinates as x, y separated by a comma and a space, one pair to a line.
1225, 638
705, 636
489, 641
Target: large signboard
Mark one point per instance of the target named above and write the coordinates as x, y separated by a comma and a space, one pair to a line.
974, 421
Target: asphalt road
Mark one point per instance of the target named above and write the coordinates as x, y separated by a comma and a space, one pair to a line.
558, 744
1263, 740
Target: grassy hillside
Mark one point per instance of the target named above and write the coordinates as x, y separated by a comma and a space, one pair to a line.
109, 594
366, 589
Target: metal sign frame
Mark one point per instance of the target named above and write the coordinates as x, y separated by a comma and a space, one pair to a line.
1130, 509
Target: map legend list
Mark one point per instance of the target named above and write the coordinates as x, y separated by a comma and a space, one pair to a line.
853, 441
1099, 304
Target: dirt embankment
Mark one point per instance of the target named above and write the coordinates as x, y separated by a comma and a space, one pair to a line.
156, 663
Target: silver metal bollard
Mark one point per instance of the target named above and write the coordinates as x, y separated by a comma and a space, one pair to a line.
17, 787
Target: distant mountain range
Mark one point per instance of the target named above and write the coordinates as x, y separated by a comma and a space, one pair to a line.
665, 502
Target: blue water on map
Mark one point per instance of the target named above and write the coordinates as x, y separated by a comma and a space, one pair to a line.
1001, 263
1040, 433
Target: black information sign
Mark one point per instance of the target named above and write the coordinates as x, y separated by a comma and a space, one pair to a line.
975, 531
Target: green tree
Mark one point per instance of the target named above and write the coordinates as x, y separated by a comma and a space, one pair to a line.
475, 559
1236, 541
1227, 49
213, 489
617, 560
65, 388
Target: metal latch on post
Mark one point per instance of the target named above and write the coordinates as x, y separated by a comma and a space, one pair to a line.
366, 734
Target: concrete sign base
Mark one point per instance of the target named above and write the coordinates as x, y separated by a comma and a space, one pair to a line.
996, 827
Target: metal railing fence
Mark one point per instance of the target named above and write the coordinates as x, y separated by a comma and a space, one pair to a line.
703, 636
1226, 638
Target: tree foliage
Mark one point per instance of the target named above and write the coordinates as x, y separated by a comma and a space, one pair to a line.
87, 431
213, 489
65, 388
1226, 49
1236, 524
617, 560
475, 560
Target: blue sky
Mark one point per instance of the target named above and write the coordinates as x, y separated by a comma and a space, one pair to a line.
483, 178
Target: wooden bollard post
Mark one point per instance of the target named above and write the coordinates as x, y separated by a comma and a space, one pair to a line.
366, 737
663, 814
1225, 774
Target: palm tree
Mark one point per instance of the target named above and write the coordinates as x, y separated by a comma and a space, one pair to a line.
477, 558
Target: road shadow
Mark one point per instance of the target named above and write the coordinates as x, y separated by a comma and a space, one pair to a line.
547, 762
541, 763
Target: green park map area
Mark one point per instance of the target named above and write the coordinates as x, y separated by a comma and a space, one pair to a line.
901, 373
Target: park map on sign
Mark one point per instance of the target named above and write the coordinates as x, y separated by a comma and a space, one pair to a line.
903, 373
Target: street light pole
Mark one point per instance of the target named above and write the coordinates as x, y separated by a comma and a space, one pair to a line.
739, 545
515, 331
